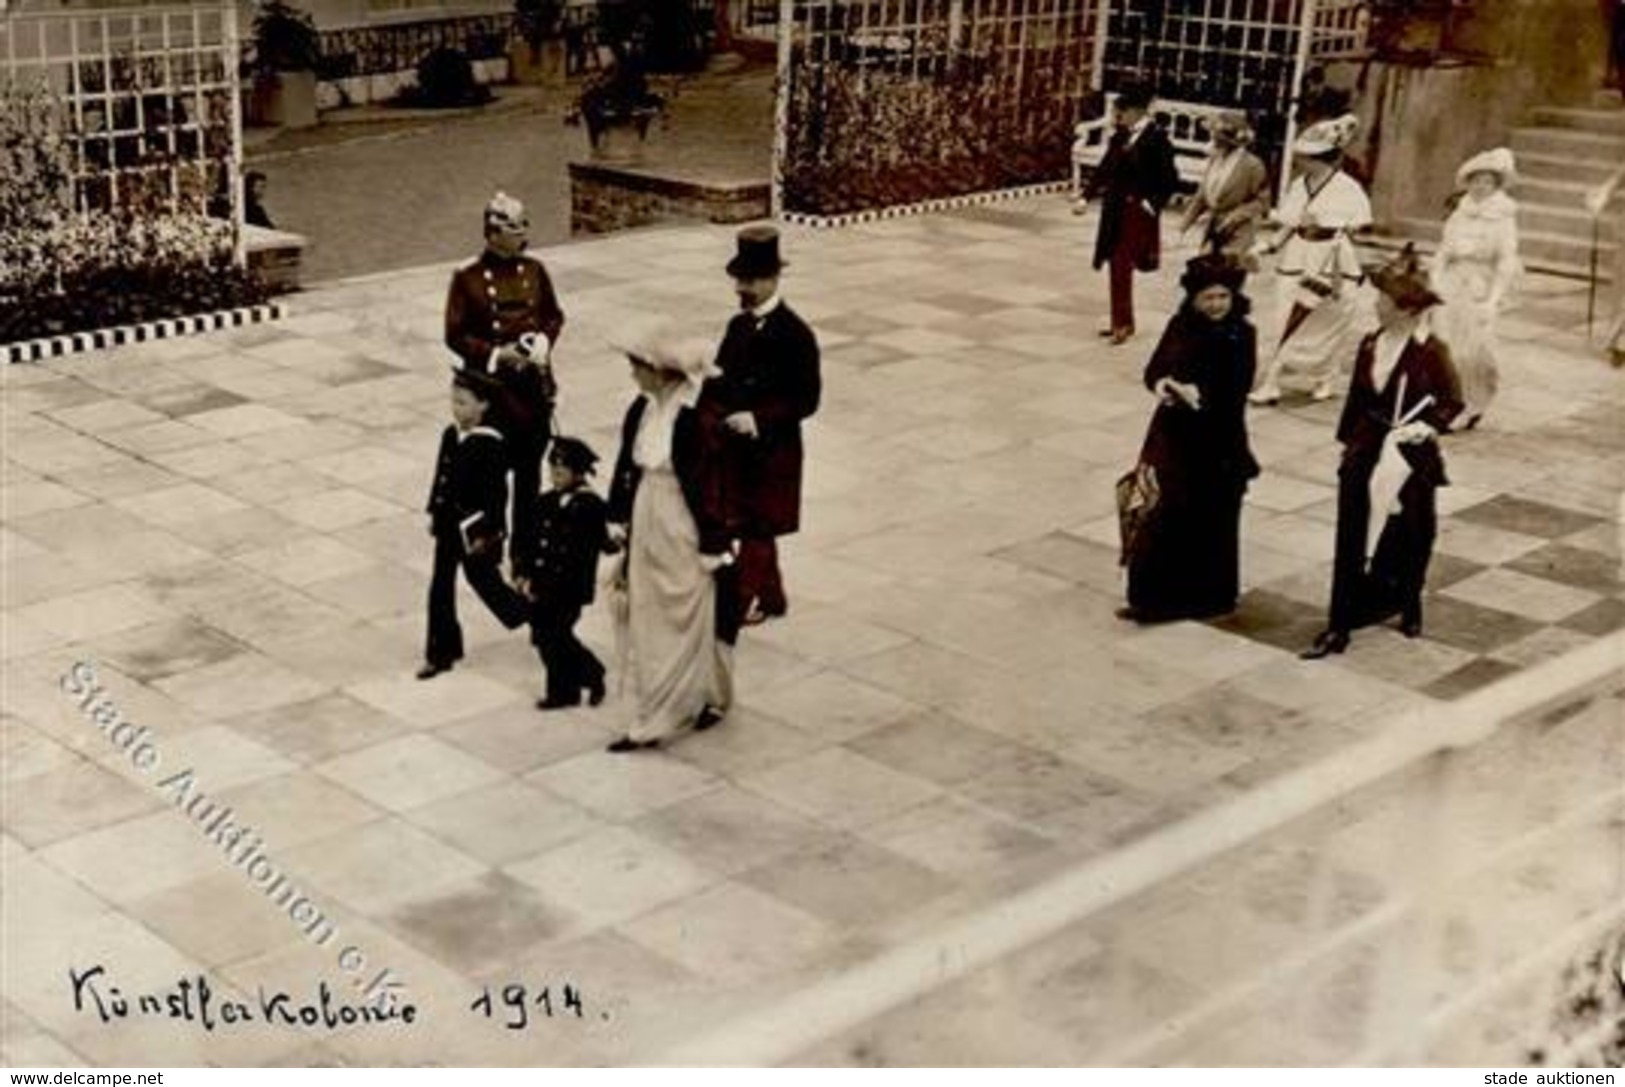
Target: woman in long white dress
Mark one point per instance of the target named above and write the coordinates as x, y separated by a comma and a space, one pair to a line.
1318, 267
1474, 271
663, 499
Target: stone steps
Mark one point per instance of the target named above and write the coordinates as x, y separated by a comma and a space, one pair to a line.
1605, 122
1548, 193
1543, 167
1605, 149
1555, 254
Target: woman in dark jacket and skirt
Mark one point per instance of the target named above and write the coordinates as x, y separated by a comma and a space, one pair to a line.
1185, 563
1404, 394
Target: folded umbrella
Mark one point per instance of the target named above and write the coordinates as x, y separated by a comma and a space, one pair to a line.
1389, 476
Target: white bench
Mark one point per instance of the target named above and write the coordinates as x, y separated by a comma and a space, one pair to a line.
1189, 126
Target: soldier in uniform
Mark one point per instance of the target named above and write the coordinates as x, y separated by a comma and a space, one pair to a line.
503, 318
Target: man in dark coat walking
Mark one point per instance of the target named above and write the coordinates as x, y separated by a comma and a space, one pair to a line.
503, 318
769, 383
1134, 182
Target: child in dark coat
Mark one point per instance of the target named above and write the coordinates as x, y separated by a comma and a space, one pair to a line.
571, 534
468, 511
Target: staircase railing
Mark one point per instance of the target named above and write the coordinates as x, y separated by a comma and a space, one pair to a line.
1597, 202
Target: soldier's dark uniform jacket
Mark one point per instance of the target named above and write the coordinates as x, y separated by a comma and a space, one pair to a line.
492, 302
570, 537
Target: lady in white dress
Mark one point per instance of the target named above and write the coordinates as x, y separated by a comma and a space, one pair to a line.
1318, 267
1474, 271
663, 500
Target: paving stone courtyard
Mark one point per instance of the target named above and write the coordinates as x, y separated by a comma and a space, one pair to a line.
231, 527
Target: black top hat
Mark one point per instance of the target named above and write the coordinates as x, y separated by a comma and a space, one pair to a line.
1134, 95
480, 384
758, 254
1405, 281
574, 454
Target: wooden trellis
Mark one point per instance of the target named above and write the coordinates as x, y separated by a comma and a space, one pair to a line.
149, 97
1022, 72
891, 101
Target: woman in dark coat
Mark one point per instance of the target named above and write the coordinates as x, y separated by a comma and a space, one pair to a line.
1404, 394
1186, 562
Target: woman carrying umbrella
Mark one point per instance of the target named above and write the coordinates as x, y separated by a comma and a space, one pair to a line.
1185, 564
1404, 394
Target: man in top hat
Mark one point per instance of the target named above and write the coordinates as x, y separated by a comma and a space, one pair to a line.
503, 318
1134, 182
769, 383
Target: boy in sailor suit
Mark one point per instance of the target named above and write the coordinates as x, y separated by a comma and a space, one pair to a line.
571, 534
467, 509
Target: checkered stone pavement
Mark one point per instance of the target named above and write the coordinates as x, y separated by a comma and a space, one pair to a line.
231, 526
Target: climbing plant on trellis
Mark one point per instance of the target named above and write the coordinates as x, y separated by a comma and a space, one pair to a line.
895, 101
121, 154
149, 97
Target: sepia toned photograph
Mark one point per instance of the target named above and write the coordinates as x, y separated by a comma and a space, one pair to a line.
812, 533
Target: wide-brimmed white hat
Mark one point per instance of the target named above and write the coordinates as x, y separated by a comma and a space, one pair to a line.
662, 347
1323, 137
1497, 161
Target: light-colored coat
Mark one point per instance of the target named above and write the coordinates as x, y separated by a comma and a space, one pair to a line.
1235, 196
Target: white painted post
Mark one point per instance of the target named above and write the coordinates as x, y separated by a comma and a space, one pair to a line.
229, 47
781, 107
1300, 63
1097, 64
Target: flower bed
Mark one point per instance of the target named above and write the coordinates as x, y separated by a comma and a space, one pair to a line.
99, 270
870, 140
151, 255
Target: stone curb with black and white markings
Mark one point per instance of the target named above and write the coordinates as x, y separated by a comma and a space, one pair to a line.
56, 347
947, 203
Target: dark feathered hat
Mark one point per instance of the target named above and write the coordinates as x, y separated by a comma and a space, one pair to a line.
1405, 281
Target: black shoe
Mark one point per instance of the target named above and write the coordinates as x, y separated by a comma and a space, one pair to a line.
430, 669
558, 702
1411, 626
710, 717
1327, 643
1127, 614
595, 692
626, 744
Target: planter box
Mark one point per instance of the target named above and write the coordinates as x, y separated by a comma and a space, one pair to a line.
291, 100
606, 198
275, 256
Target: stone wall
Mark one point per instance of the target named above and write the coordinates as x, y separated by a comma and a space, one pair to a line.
607, 198
1420, 123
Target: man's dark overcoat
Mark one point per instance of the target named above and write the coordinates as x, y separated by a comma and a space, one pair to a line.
769, 367
1131, 175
